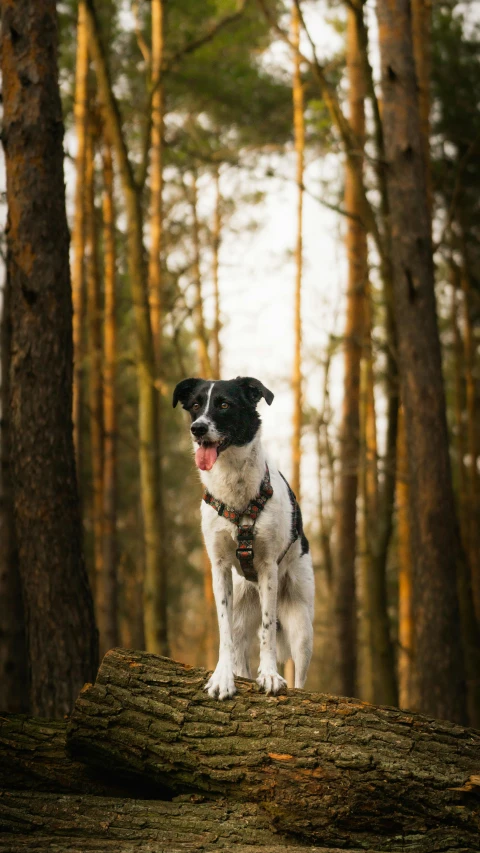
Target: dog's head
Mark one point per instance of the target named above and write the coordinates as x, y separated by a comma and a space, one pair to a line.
223, 413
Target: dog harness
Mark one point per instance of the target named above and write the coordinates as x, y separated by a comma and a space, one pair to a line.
246, 533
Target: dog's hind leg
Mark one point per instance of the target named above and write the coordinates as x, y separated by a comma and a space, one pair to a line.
246, 619
295, 613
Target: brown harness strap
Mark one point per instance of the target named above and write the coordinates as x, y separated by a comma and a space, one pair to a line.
245, 533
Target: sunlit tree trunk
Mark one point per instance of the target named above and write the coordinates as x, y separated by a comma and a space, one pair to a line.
61, 632
95, 359
155, 587
156, 181
299, 135
78, 232
439, 675
199, 319
14, 694
356, 244
108, 603
405, 604
216, 239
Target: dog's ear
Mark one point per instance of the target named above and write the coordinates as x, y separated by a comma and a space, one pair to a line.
184, 390
254, 390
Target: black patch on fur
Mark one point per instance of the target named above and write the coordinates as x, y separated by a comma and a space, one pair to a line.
237, 421
297, 531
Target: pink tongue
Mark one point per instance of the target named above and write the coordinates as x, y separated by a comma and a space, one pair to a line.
205, 457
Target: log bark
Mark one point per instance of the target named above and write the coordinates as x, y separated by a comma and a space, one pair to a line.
33, 758
38, 822
333, 771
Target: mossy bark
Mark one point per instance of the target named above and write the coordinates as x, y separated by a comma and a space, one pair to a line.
332, 771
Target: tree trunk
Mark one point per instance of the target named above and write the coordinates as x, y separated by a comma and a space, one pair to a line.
216, 239
204, 362
95, 389
405, 601
356, 244
107, 599
332, 771
469, 343
299, 135
439, 678
14, 674
78, 233
156, 181
62, 638
155, 588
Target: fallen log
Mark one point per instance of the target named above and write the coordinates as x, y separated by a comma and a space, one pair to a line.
328, 770
46, 822
32, 757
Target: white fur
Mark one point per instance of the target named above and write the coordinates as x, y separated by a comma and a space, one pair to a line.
284, 592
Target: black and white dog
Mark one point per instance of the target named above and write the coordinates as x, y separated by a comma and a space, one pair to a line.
277, 599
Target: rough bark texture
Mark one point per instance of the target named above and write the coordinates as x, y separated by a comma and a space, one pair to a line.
14, 695
439, 676
356, 244
58, 604
38, 822
33, 758
333, 771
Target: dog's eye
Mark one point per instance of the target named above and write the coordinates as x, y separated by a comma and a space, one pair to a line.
225, 406
195, 406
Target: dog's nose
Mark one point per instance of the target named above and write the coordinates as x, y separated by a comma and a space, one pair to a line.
199, 429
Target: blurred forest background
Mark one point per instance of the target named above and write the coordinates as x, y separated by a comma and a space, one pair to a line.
179, 117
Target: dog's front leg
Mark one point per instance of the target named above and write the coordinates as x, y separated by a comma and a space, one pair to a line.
268, 677
221, 683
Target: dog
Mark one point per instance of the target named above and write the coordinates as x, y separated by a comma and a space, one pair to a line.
261, 566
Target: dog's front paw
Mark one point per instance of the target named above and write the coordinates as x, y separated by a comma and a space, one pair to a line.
221, 685
271, 682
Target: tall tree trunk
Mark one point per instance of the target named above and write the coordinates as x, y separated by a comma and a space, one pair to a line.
356, 244
473, 539
95, 359
405, 569
216, 239
439, 675
78, 233
156, 181
14, 696
155, 588
299, 135
382, 655
470, 626
61, 632
204, 362
107, 601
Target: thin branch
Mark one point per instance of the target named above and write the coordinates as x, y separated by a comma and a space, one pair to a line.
142, 44
206, 37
